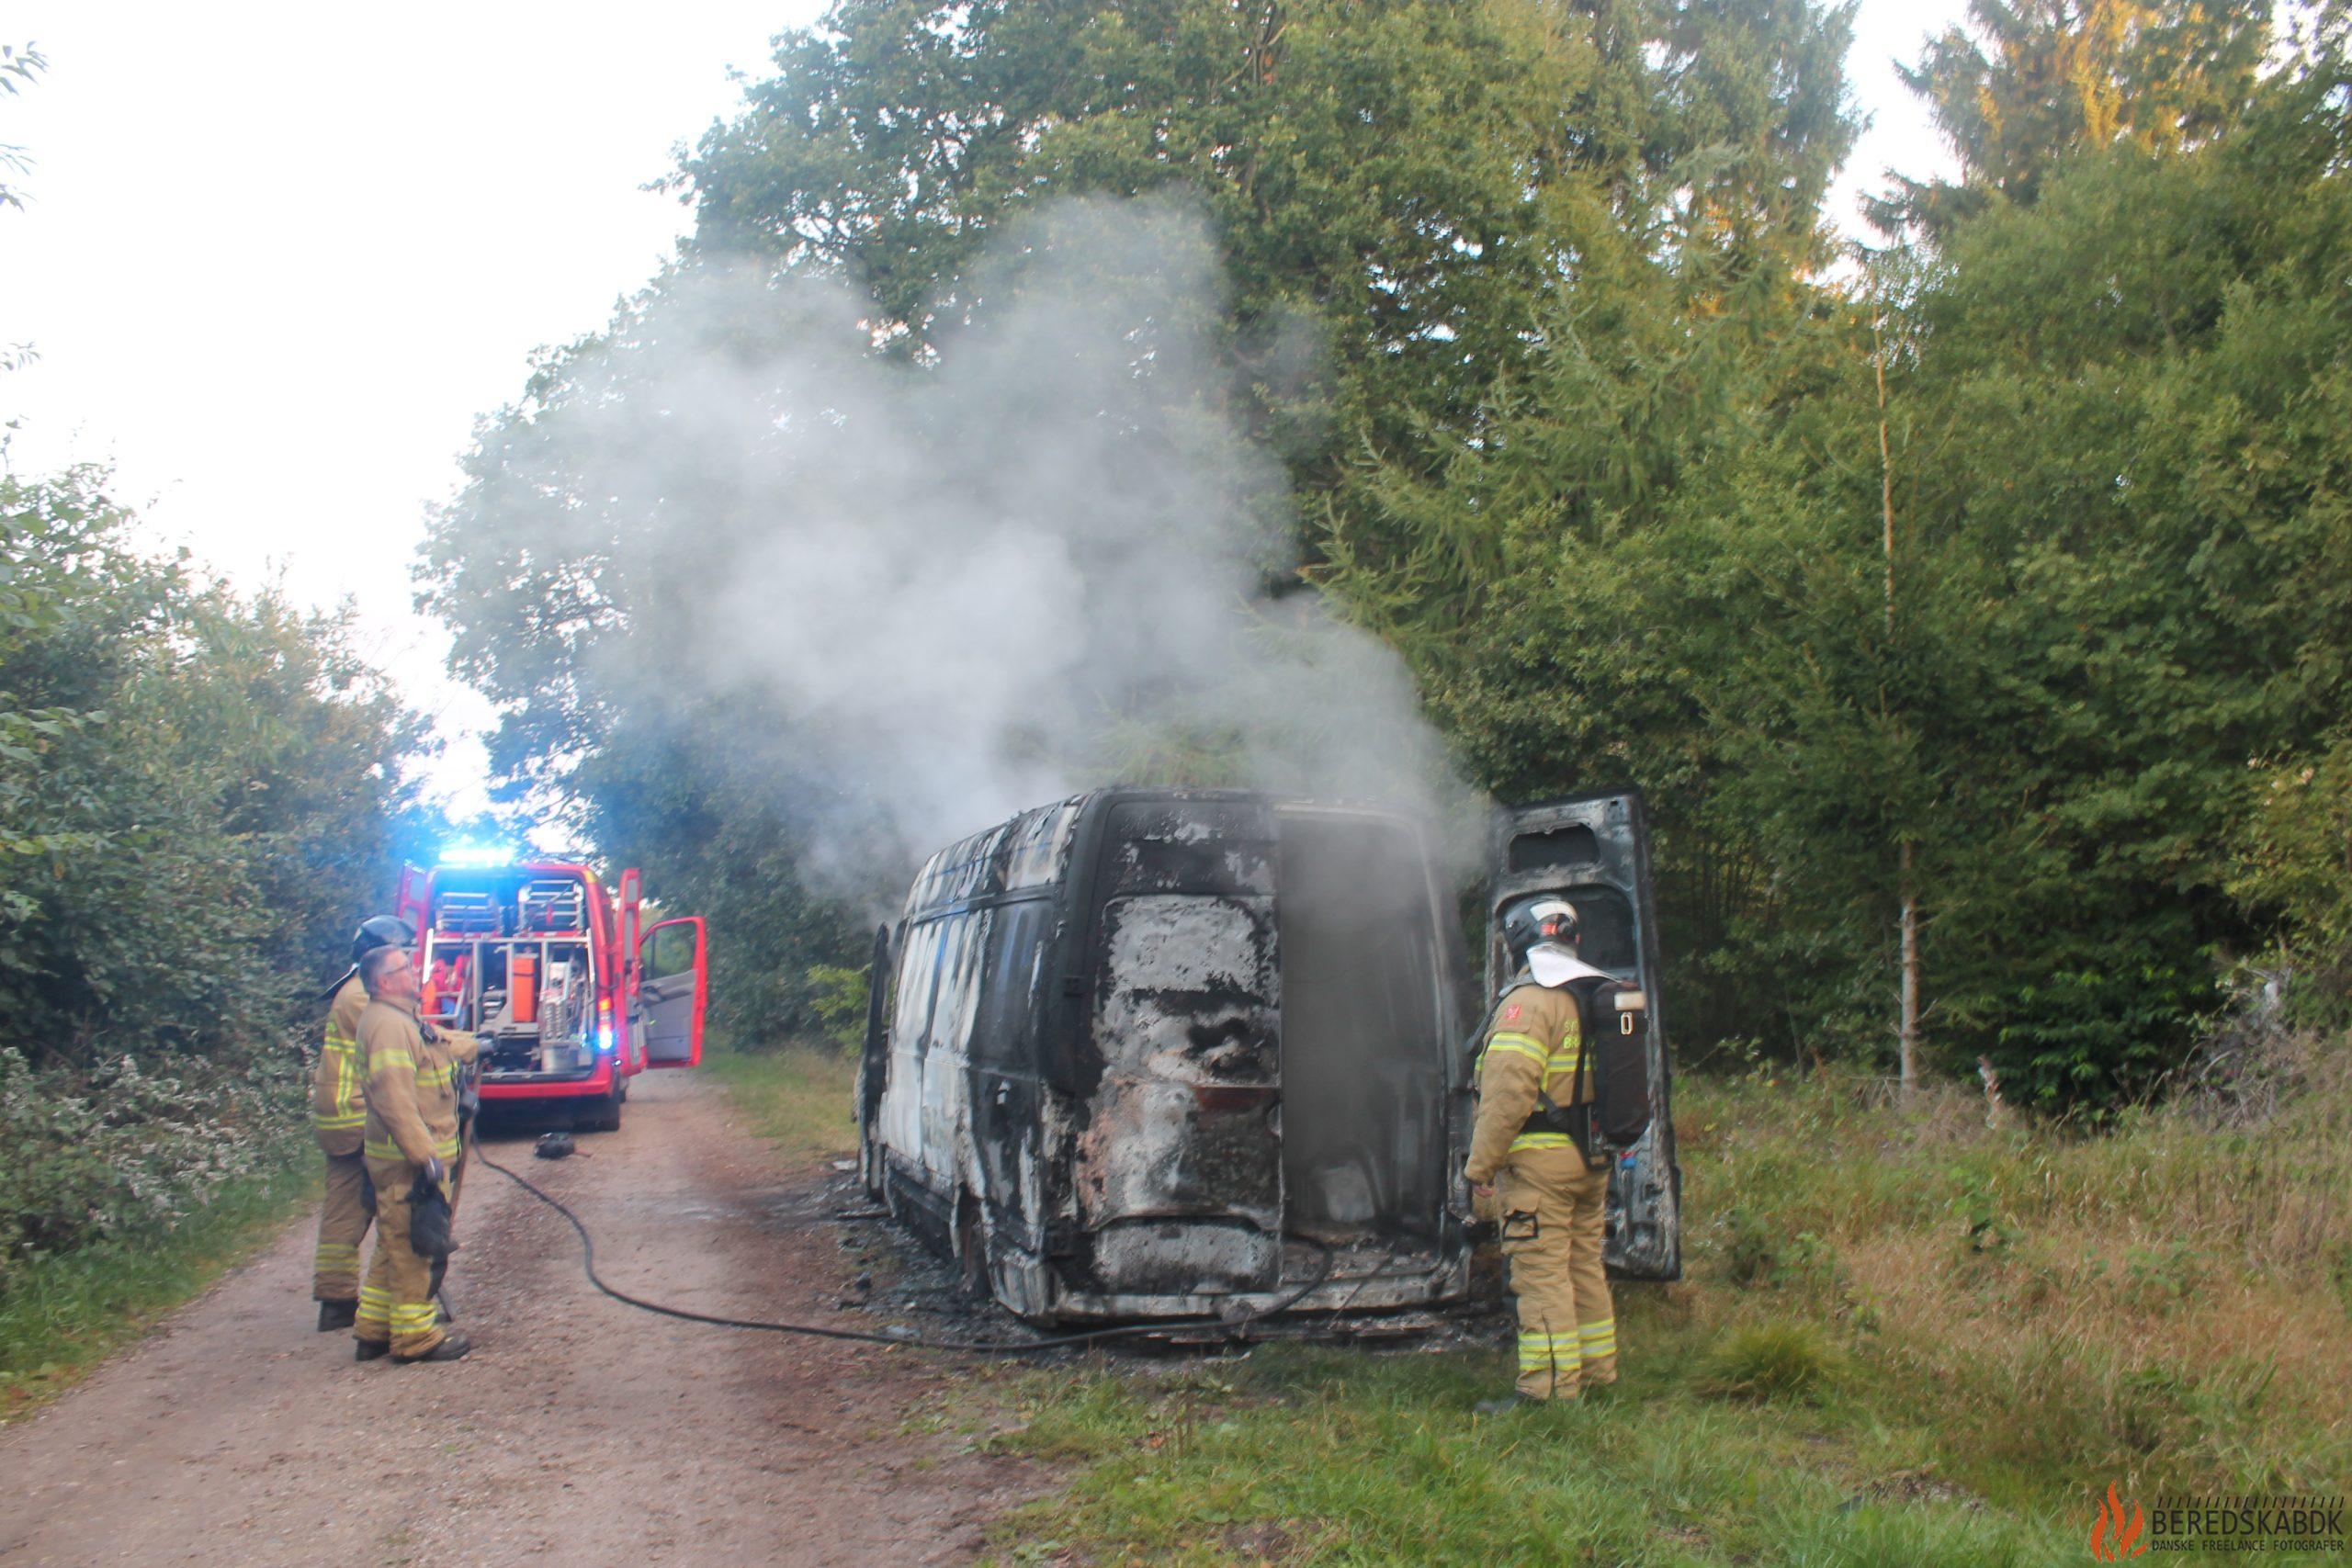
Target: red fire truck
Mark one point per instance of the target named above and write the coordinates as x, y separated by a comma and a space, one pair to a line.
570, 993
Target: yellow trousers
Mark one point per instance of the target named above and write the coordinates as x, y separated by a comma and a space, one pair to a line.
1554, 1211
396, 1303
344, 1216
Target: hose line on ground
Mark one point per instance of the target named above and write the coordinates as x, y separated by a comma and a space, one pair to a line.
982, 1348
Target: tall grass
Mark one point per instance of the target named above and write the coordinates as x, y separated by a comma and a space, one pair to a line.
2160, 1304
798, 1096
1902, 1337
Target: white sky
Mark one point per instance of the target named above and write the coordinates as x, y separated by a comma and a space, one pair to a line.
276, 259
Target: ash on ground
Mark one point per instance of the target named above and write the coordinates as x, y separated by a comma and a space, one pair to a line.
900, 1287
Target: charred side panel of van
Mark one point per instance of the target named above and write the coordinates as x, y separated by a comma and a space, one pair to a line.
1160, 1053
954, 1106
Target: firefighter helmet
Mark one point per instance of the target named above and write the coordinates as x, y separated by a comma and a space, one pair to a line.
378, 930
1544, 918
1541, 932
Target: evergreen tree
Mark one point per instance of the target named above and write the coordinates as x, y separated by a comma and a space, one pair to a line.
2033, 80
2114, 576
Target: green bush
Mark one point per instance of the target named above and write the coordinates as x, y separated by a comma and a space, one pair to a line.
838, 998
198, 793
2294, 863
2099, 1036
199, 787
124, 1149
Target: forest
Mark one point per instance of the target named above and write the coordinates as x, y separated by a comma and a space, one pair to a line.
1971, 605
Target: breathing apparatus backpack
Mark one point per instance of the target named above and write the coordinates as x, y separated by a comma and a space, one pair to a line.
1609, 1106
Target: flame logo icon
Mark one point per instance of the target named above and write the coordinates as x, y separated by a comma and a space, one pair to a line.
2113, 1540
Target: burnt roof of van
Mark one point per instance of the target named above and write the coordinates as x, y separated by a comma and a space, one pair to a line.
1031, 851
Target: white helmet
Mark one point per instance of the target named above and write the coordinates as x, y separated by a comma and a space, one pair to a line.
1541, 933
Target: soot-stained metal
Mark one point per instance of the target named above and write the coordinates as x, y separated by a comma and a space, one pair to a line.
1154, 1052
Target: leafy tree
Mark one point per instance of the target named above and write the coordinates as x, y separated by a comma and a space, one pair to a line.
2293, 868
1399, 186
1401, 192
198, 790
18, 67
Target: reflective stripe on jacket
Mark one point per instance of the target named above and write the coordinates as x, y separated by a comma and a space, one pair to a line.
1535, 1046
338, 1105
411, 1085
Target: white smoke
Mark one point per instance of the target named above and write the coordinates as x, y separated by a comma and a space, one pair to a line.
1035, 556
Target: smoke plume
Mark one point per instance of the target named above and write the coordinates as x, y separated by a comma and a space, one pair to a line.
947, 584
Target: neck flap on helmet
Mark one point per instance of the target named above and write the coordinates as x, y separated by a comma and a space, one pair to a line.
1553, 966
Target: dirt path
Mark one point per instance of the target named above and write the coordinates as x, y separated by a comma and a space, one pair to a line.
578, 1431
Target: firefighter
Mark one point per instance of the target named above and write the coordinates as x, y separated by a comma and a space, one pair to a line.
412, 1137
1552, 1205
339, 1117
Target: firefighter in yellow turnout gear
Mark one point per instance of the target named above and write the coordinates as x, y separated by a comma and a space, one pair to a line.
412, 1131
339, 1118
1553, 1208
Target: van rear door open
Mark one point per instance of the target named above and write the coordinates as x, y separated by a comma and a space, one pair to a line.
1595, 852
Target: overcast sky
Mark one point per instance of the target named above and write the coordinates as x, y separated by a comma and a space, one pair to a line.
276, 259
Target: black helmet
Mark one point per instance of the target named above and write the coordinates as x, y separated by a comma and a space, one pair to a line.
378, 930
1547, 918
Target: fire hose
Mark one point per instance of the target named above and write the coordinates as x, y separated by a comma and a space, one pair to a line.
1323, 1276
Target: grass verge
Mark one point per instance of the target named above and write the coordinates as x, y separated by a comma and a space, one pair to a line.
63, 1314
1328, 1455
798, 1097
1901, 1337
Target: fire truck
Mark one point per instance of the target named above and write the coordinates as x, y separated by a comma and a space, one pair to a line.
569, 992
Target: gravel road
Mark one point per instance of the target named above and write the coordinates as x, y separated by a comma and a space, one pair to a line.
578, 1431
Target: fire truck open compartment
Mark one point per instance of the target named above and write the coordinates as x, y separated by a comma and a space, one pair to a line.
553, 968
510, 959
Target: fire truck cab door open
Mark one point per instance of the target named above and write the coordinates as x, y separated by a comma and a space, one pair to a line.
1595, 852
673, 989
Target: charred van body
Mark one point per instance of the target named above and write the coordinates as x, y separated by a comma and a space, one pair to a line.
1154, 1052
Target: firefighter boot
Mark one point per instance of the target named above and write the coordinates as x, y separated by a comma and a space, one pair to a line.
337, 1315
451, 1346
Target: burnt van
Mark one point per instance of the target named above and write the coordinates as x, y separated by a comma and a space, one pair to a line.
1163, 1053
